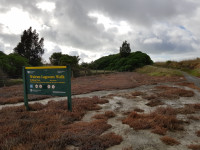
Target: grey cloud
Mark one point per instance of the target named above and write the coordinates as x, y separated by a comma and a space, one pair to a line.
142, 11
76, 29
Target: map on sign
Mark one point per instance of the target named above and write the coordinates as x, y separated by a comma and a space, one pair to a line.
47, 81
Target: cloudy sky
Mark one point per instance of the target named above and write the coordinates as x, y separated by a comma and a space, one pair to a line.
164, 29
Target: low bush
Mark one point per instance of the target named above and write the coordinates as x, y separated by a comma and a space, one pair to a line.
52, 126
194, 147
169, 141
161, 119
106, 115
198, 133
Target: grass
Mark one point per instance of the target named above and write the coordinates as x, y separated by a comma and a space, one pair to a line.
190, 66
10, 82
52, 126
169, 140
94, 72
159, 71
14, 82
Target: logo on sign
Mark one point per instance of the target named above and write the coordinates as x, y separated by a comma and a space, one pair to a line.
36, 86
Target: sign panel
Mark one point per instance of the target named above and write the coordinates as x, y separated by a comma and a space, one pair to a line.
54, 80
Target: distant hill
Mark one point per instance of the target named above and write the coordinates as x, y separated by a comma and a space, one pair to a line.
191, 66
116, 62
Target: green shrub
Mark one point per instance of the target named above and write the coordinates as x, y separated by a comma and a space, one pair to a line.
116, 62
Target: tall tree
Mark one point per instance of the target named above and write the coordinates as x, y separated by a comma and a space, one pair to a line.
125, 50
55, 58
31, 47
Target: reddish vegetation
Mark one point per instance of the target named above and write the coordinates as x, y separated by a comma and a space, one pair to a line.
165, 92
52, 126
150, 97
161, 120
138, 110
14, 94
189, 109
88, 84
128, 148
137, 93
155, 102
106, 115
198, 133
189, 84
169, 141
174, 92
159, 130
194, 147
109, 114
193, 118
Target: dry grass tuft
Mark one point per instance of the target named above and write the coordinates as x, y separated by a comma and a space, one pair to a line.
138, 110
161, 120
189, 109
194, 147
128, 148
166, 92
189, 84
137, 93
198, 133
174, 92
150, 97
169, 141
109, 114
159, 130
106, 115
193, 117
154, 103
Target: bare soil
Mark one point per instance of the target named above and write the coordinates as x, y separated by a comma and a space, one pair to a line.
129, 112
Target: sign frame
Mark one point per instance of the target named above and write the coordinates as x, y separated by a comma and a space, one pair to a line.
66, 82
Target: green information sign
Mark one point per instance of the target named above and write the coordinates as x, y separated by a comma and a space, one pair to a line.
48, 80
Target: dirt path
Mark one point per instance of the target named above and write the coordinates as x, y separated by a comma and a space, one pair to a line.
192, 79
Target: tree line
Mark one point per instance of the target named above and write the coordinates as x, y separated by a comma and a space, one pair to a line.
30, 49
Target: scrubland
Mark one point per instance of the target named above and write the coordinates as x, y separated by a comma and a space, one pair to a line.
130, 111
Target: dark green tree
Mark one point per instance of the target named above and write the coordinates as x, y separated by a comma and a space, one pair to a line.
31, 47
12, 64
125, 50
55, 58
69, 60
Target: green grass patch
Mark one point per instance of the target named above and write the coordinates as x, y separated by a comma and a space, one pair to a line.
194, 72
158, 71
